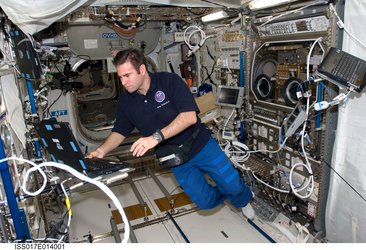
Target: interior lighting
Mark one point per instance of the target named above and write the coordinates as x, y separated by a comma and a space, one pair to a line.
262, 4
215, 16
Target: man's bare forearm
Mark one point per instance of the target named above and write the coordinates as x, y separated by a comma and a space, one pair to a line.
180, 123
112, 141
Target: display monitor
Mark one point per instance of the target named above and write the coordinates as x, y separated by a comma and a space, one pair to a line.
229, 96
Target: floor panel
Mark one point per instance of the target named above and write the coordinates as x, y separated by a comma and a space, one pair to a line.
92, 212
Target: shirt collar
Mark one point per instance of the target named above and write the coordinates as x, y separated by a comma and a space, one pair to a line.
152, 82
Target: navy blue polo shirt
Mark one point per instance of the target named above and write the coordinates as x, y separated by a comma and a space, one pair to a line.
167, 96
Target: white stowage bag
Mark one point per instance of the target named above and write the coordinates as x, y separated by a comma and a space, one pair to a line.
345, 213
15, 115
32, 16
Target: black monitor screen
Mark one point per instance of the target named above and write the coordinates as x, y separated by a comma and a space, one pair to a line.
230, 96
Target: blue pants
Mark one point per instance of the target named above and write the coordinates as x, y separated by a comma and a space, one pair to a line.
213, 161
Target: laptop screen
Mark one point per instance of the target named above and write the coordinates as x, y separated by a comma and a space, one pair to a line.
60, 143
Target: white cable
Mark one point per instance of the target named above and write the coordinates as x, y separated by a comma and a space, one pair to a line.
187, 39
236, 160
342, 26
29, 171
228, 119
234, 148
270, 186
242, 148
104, 188
68, 206
240, 16
197, 29
228, 67
317, 41
310, 180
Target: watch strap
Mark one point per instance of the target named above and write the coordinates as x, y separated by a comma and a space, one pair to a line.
161, 134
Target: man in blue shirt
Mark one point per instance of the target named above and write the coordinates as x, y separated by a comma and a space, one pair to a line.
162, 108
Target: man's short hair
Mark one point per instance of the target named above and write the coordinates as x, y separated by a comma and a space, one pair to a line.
134, 56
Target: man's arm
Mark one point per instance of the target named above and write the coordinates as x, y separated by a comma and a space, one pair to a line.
180, 123
112, 141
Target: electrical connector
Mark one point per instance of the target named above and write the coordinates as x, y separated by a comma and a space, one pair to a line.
321, 105
338, 98
324, 104
340, 24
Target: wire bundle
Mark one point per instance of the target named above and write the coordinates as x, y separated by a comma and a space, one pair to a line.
103, 187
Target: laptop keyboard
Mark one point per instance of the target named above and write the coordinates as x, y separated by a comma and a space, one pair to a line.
347, 67
103, 166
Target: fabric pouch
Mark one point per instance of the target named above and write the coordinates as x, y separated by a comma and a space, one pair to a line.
171, 155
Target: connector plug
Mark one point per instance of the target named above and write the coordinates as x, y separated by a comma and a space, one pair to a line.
321, 105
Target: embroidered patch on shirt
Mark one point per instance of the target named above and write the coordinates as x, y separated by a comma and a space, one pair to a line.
159, 96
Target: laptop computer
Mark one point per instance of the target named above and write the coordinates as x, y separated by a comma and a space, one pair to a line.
343, 69
27, 58
60, 143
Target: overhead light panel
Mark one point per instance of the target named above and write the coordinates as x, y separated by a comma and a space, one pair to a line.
263, 4
215, 16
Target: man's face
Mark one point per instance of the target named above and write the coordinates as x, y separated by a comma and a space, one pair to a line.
130, 78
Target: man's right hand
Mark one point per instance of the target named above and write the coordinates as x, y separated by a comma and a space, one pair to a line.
96, 154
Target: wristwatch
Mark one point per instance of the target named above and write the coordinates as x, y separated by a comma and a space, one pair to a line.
158, 135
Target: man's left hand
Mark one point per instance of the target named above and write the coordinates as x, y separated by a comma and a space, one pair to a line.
142, 145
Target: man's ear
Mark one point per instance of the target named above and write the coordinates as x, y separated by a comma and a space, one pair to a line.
143, 69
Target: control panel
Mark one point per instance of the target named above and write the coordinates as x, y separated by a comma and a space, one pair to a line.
305, 25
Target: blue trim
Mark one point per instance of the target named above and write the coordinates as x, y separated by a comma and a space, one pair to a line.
24, 222
44, 142
10, 196
37, 146
242, 131
73, 146
241, 72
261, 231
242, 84
34, 111
28, 55
49, 127
31, 97
53, 158
83, 165
319, 98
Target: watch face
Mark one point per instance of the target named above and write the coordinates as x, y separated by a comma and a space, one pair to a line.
157, 136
